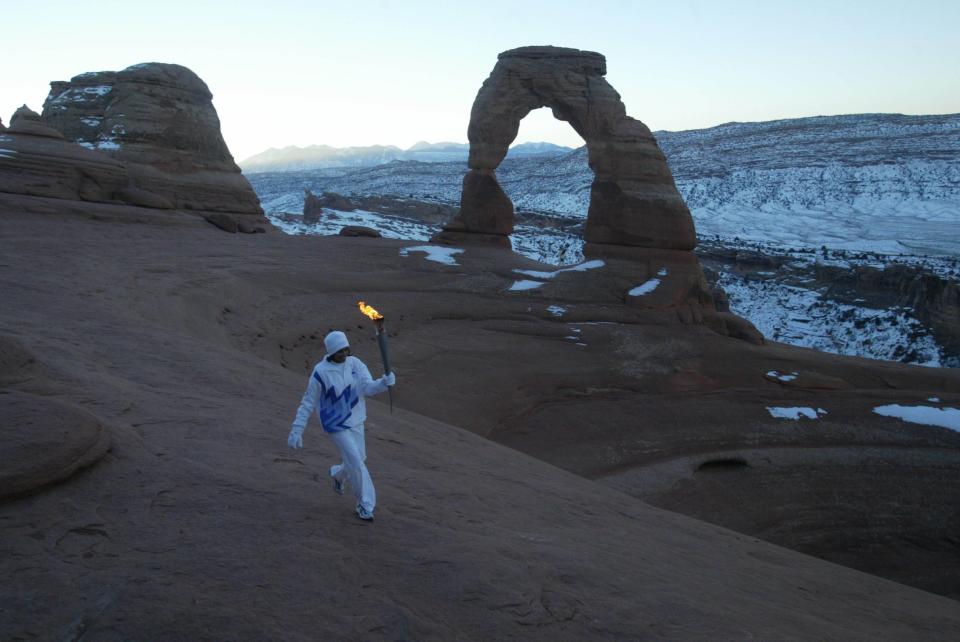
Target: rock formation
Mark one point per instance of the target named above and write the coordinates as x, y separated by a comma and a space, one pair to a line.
637, 221
360, 230
26, 121
159, 120
313, 205
38, 161
633, 197
42, 441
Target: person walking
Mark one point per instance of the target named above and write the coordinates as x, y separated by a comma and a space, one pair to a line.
336, 390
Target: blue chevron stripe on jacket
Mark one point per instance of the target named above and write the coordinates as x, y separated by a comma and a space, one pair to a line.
335, 409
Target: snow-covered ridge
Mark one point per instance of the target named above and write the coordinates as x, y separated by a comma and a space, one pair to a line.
868, 182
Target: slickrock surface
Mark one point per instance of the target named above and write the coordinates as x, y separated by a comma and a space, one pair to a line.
159, 120
40, 165
194, 347
43, 442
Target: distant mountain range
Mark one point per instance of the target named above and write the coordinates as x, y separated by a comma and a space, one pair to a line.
323, 156
866, 182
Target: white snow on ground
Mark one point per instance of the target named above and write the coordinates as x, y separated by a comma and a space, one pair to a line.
589, 265
934, 399
8, 153
519, 286
866, 182
800, 317
646, 287
81, 94
576, 336
926, 415
92, 121
795, 413
103, 143
6, 139
556, 310
333, 221
782, 377
435, 253
555, 247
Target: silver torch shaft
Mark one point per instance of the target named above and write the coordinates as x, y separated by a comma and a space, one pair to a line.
382, 343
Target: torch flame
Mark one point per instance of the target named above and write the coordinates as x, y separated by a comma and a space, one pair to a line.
369, 311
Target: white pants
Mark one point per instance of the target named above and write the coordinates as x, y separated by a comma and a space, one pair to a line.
353, 469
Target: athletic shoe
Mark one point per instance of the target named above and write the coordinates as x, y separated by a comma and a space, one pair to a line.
364, 514
337, 486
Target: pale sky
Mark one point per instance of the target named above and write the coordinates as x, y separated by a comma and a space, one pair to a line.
286, 72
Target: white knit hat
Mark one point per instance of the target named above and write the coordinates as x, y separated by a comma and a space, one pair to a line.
335, 342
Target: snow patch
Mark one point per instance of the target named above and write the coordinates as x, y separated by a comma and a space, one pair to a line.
82, 94
556, 310
583, 267
92, 121
519, 286
927, 415
8, 153
795, 413
782, 377
646, 287
333, 221
803, 317
99, 90
435, 253
934, 399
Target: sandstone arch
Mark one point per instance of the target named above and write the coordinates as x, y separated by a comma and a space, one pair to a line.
633, 198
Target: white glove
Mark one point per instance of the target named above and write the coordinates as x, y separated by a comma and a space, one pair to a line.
389, 378
295, 440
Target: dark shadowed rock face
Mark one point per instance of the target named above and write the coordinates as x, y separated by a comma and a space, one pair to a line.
26, 121
360, 231
314, 205
159, 120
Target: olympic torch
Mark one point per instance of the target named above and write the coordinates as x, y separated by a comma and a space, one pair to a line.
378, 319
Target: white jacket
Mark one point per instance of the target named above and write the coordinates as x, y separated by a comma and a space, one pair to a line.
336, 391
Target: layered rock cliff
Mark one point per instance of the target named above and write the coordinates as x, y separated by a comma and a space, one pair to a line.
159, 121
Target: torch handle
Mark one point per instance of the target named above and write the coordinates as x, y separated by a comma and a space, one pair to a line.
382, 342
